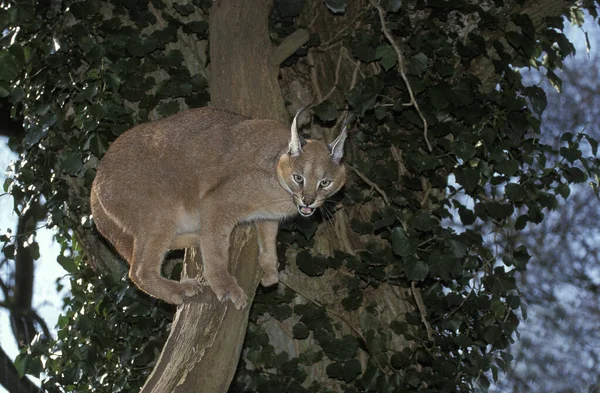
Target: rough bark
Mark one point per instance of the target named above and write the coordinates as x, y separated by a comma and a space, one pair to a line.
206, 339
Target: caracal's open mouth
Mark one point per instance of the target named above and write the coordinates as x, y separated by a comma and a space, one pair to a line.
305, 211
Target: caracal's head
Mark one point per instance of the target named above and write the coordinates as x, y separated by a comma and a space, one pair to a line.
312, 172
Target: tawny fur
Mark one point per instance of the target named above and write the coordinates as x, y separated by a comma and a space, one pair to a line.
189, 179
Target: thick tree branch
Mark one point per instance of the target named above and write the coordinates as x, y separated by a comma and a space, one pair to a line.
21, 313
290, 45
206, 338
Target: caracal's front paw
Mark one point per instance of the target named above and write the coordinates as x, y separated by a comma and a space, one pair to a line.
270, 278
187, 287
233, 292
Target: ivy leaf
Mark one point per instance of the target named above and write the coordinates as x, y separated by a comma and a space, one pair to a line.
525, 23
168, 108
564, 190
507, 167
67, 263
555, 81
521, 257
538, 99
391, 5
341, 350
463, 93
97, 144
198, 27
184, 9
310, 265
325, 111
9, 67
468, 178
386, 54
21, 362
364, 96
402, 245
521, 222
344, 371
34, 134
281, 312
459, 249
300, 331
71, 162
515, 192
4, 89
574, 175
467, 217
417, 64
33, 250
353, 301
570, 153
416, 270
9, 251
336, 6
499, 210
593, 144
490, 335
87, 93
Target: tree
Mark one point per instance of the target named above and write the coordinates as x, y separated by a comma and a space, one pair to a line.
17, 288
388, 294
560, 286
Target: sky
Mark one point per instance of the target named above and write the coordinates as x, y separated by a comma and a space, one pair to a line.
45, 300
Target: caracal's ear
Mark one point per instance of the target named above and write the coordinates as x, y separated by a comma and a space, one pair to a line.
295, 146
337, 146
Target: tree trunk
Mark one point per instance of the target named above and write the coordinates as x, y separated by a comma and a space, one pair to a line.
206, 339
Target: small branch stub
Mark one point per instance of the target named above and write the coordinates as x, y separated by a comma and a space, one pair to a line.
290, 45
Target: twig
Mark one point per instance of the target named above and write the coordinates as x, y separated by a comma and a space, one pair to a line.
427, 187
364, 178
388, 35
421, 306
356, 70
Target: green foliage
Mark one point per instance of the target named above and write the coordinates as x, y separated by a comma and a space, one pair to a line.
99, 68
78, 83
487, 169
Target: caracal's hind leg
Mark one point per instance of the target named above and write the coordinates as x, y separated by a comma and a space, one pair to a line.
148, 255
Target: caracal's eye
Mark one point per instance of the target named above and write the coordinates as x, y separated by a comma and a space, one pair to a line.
298, 179
325, 183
